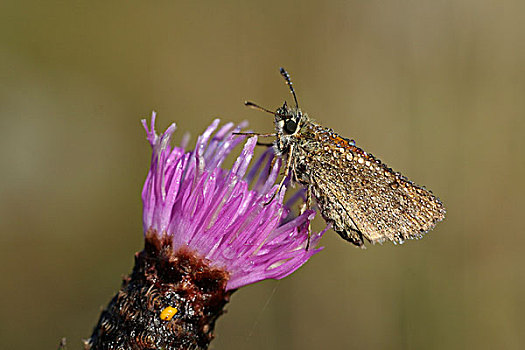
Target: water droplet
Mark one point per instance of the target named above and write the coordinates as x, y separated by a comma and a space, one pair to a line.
394, 185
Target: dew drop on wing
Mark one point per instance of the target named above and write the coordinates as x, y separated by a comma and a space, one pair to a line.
394, 185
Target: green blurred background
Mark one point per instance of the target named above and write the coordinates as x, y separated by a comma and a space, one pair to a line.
433, 88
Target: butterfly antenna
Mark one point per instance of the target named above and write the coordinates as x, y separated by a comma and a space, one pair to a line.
286, 77
256, 106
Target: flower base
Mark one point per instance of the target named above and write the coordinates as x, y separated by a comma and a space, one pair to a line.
170, 301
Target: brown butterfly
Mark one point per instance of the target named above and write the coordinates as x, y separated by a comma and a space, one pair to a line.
356, 193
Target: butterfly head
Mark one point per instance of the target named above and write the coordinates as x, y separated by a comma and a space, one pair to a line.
287, 120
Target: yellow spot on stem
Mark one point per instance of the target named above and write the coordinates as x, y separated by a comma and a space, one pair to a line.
168, 313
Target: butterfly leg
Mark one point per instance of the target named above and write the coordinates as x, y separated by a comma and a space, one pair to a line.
307, 205
287, 172
255, 134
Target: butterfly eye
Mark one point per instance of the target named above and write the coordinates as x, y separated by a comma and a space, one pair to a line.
290, 126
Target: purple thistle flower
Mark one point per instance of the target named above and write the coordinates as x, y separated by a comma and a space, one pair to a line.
212, 211
208, 231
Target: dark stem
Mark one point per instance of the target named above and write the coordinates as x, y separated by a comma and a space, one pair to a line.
170, 301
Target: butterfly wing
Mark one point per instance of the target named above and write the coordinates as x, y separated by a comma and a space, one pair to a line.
360, 195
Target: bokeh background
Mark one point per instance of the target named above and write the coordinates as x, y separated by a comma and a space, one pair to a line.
433, 88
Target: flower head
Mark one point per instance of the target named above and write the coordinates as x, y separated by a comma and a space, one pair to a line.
233, 218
